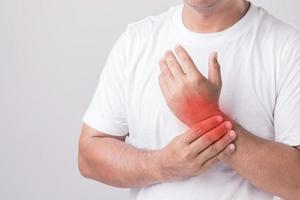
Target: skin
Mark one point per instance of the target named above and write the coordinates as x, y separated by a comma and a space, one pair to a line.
189, 154
189, 103
138, 167
205, 16
256, 159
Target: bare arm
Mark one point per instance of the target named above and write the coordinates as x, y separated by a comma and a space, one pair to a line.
269, 165
110, 160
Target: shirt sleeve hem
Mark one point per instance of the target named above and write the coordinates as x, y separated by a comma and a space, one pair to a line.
291, 141
106, 127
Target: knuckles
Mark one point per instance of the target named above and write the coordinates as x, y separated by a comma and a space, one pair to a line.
172, 62
194, 79
185, 60
194, 166
206, 139
186, 156
214, 149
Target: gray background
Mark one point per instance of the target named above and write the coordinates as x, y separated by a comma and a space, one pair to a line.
51, 55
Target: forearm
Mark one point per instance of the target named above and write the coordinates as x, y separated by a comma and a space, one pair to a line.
116, 163
271, 166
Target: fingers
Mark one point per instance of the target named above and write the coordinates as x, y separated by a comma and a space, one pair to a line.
202, 127
186, 61
165, 78
223, 155
173, 65
165, 71
186, 65
214, 149
164, 87
214, 71
210, 137
206, 165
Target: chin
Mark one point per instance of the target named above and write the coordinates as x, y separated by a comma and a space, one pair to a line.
202, 4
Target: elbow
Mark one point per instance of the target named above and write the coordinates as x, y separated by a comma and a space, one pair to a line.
82, 157
83, 167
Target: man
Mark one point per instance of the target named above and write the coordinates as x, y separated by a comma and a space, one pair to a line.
229, 129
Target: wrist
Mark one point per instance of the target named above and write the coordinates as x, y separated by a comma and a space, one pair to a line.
210, 112
155, 166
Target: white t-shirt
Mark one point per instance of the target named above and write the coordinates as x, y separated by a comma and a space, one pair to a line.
260, 64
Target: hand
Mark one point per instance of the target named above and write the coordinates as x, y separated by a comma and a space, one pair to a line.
191, 153
190, 96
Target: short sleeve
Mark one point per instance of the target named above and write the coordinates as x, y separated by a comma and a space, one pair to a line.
287, 108
107, 109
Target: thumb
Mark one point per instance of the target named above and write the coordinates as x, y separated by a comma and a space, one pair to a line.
214, 71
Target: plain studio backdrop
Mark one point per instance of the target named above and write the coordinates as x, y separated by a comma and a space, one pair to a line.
51, 56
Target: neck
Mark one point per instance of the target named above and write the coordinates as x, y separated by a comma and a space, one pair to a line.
214, 18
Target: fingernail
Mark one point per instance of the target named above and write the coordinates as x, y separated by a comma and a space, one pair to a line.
232, 134
167, 53
231, 147
219, 119
216, 55
177, 46
228, 125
